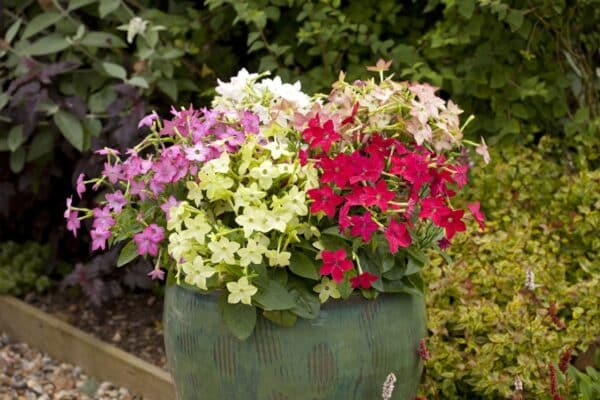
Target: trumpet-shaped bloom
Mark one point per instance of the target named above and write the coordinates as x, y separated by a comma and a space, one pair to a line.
223, 251
241, 291
147, 241
326, 289
197, 272
335, 263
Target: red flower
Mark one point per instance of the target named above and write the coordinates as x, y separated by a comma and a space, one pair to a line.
324, 199
452, 223
378, 196
335, 263
303, 156
363, 280
438, 183
477, 214
337, 170
460, 175
397, 236
363, 225
343, 219
413, 168
320, 136
366, 168
422, 352
378, 146
350, 119
434, 208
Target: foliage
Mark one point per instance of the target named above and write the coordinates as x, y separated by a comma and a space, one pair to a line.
523, 292
230, 189
24, 267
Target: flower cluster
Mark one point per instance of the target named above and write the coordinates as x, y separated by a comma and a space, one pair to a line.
284, 201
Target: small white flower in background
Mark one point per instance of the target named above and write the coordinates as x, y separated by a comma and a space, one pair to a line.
388, 387
286, 91
518, 384
235, 89
530, 280
136, 26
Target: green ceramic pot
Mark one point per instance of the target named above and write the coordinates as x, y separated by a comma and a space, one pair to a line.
344, 354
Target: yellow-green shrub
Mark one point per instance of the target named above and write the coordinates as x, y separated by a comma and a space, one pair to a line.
486, 327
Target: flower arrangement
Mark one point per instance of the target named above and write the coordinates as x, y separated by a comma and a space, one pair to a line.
280, 201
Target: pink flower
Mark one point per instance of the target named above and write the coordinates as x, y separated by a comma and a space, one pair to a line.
198, 152
397, 236
113, 172
80, 185
363, 225
107, 150
460, 175
167, 205
482, 150
363, 280
138, 188
103, 219
249, 122
148, 120
157, 273
477, 214
147, 241
71, 216
335, 263
116, 201
99, 238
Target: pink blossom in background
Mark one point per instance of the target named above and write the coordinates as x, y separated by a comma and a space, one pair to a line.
148, 120
80, 185
116, 201
157, 273
147, 240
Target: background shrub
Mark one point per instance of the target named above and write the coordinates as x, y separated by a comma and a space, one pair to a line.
24, 267
487, 327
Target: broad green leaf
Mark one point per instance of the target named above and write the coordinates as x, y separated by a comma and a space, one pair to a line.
11, 32
99, 101
42, 144
283, 318
108, 6
304, 266
75, 4
128, 253
273, 296
239, 318
40, 22
466, 8
4, 97
412, 266
115, 70
92, 126
102, 39
417, 255
15, 137
46, 45
368, 264
395, 273
70, 127
139, 82
17, 160
169, 87
307, 302
515, 19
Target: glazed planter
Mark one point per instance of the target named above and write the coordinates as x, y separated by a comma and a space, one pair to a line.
346, 353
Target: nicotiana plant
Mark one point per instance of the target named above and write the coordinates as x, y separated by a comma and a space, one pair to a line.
280, 201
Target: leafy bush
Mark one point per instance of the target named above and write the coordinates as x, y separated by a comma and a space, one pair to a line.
23, 267
487, 327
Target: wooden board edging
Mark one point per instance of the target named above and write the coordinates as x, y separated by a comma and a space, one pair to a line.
99, 359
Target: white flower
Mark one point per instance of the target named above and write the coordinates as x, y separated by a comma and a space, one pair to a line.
236, 88
286, 91
530, 280
388, 386
518, 384
136, 26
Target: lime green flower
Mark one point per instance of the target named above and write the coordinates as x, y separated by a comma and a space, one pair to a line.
265, 173
278, 259
278, 149
216, 186
177, 214
248, 195
252, 253
294, 201
218, 165
241, 290
198, 227
194, 192
254, 219
326, 289
180, 244
223, 251
196, 272
278, 219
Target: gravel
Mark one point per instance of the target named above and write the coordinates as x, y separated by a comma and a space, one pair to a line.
29, 374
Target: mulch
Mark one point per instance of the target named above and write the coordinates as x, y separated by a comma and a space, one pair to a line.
132, 322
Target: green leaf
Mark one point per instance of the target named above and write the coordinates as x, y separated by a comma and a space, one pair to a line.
3, 144
15, 137
75, 4
139, 82
417, 255
307, 302
398, 286
128, 253
368, 264
92, 126
17, 160
46, 45
99, 101
12, 31
304, 266
40, 22
70, 127
102, 39
108, 6
273, 296
115, 70
283, 318
42, 144
169, 87
514, 19
466, 8
412, 266
4, 97
239, 318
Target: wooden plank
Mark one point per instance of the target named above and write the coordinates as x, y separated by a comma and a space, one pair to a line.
97, 358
